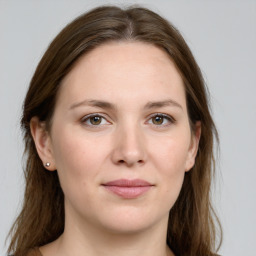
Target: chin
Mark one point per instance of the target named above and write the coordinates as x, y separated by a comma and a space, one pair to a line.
131, 220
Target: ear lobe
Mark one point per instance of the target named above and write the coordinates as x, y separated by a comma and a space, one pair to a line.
42, 142
193, 149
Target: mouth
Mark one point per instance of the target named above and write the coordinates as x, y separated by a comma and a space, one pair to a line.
128, 188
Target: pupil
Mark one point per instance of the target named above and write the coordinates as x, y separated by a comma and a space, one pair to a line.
95, 120
158, 120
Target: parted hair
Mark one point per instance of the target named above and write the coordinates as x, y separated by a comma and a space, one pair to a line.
193, 227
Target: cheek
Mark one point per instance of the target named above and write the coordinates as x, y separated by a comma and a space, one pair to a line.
169, 159
172, 163
77, 153
78, 161
170, 154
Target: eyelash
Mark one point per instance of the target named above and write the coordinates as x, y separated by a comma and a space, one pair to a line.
169, 118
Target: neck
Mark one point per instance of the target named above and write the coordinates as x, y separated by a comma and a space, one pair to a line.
89, 240
114, 244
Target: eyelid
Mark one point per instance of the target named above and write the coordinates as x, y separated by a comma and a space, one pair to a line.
86, 117
170, 118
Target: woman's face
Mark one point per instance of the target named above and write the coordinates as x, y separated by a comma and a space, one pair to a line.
120, 137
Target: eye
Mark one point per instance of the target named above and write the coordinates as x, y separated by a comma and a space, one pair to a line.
94, 120
161, 119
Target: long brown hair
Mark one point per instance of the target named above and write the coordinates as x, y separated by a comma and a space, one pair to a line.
192, 221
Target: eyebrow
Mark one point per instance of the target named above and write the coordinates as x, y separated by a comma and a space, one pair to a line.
160, 104
110, 106
93, 103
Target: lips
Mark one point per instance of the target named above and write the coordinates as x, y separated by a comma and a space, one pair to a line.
128, 188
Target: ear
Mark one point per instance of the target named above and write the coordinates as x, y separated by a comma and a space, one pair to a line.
193, 148
43, 143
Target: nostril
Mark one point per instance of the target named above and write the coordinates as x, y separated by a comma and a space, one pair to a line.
127, 162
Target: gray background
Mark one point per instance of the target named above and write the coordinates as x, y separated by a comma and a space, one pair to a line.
222, 36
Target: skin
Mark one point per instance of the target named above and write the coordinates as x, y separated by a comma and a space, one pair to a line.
131, 141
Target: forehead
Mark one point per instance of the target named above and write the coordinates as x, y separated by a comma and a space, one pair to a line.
122, 70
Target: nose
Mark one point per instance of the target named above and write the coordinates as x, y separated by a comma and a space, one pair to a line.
129, 147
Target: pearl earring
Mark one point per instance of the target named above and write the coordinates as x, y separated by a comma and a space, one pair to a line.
47, 164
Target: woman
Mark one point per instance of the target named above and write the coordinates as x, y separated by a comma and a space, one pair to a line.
119, 143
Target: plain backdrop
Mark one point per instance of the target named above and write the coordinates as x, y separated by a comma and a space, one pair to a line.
222, 36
